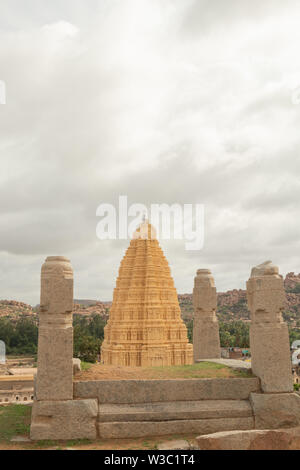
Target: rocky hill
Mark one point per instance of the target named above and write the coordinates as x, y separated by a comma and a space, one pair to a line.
232, 305
14, 310
88, 310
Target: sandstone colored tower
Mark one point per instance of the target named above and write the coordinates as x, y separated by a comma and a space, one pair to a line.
145, 326
206, 337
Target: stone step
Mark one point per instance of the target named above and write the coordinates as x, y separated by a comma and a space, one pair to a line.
145, 391
179, 410
135, 429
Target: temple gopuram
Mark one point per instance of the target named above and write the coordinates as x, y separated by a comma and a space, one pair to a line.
145, 326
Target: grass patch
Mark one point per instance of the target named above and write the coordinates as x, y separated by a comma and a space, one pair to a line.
14, 421
78, 442
200, 370
86, 365
45, 444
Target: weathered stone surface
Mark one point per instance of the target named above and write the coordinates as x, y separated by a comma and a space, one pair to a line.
76, 366
55, 415
55, 349
19, 439
166, 411
145, 326
206, 339
56, 286
270, 356
273, 411
246, 440
63, 420
269, 340
55, 346
266, 268
145, 391
162, 428
174, 445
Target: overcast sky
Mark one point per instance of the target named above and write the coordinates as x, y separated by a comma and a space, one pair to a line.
165, 101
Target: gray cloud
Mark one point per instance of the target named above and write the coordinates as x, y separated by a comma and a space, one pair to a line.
148, 99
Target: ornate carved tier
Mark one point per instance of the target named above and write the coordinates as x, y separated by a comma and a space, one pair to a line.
145, 326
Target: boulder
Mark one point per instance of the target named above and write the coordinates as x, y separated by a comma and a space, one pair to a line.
276, 410
279, 439
174, 445
76, 366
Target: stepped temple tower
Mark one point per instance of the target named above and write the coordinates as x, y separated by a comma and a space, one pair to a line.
145, 326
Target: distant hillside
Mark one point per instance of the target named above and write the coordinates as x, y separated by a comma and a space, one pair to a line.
89, 308
85, 302
232, 305
14, 310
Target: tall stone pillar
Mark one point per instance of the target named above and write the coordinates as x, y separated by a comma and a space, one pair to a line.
55, 346
55, 415
269, 338
206, 337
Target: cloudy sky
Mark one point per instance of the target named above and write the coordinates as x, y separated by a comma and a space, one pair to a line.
165, 101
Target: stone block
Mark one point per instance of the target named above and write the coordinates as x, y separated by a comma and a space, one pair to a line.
63, 420
246, 440
76, 366
145, 391
271, 360
273, 411
206, 338
166, 411
56, 286
55, 365
135, 429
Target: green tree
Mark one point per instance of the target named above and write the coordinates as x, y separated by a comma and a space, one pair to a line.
88, 337
294, 335
20, 337
86, 347
234, 334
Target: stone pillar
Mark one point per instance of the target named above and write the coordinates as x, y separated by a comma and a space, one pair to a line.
55, 415
55, 346
206, 337
269, 338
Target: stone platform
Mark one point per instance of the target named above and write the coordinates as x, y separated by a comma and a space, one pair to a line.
140, 408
